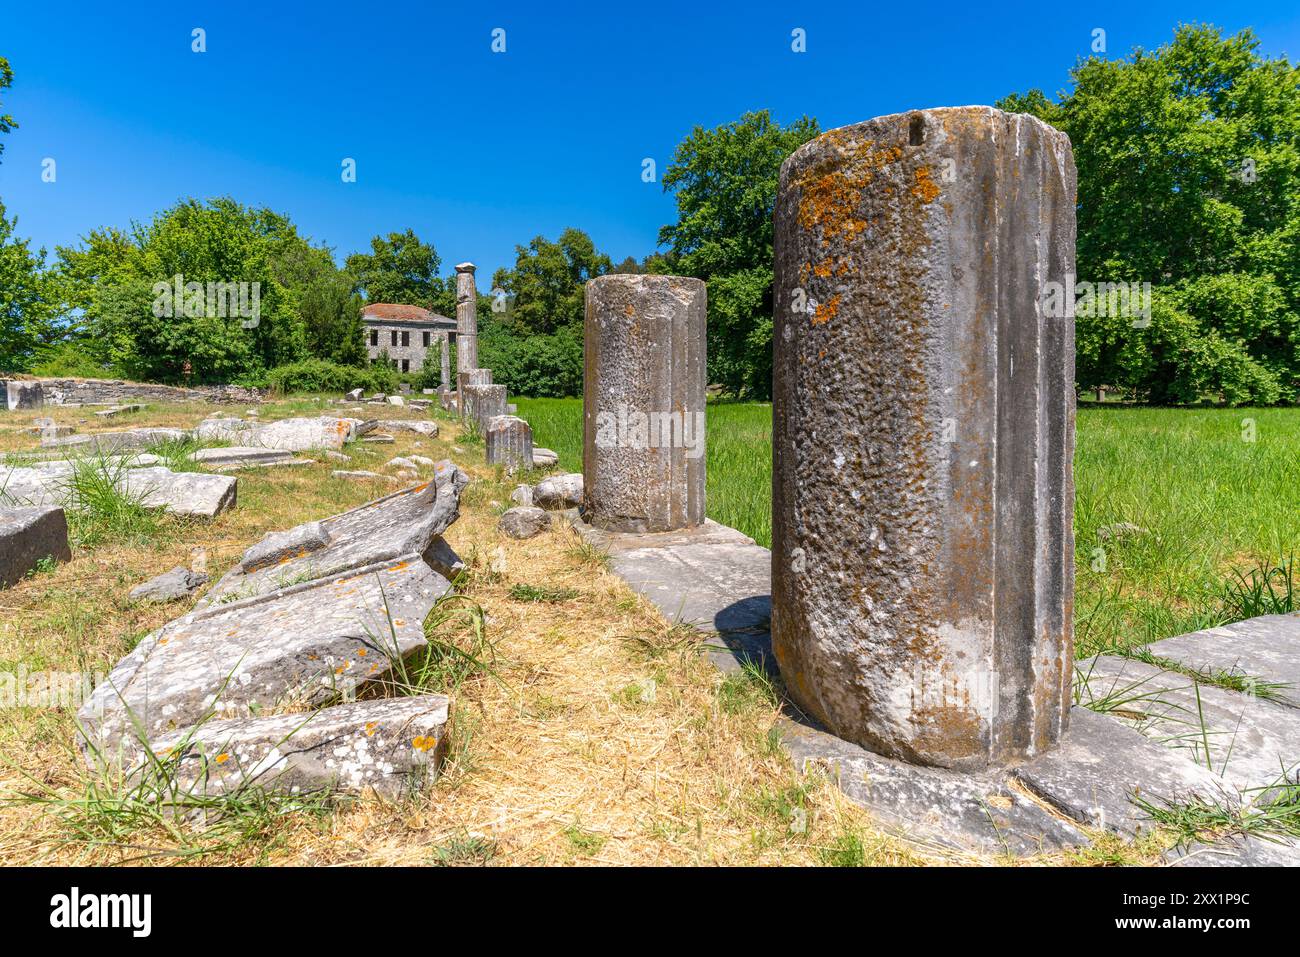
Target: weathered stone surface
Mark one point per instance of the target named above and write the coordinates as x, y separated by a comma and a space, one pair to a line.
466, 377
544, 458
302, 643
442, 558
379, 438
1101, 765
522, 495
1264, 649
24, 395
239, 455
1250, 740
481, 403
422, 461
710, 576
972, 812
403, 523
559, 491
49, 429
524, 521
103, 443
28, 535
466, 317
643, 403
1238, 850
418, 426
391, 745
509, 442
277, 547
923, 435
182, 493
174, 585
355, 395
292, 435
396, 400
117, 410
401, 462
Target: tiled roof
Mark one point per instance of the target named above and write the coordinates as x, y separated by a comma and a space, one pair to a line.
400, 312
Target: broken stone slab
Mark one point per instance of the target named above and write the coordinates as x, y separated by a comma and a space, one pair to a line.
117, 410
968, 812
559, 491
275, 548
298, 643
108, 442
182, 493
393, 746
48, 428
1264, 651
544, 458
29, 535
401, 463
396, 400
1251, 742
239, 455
24, 395
524, 521
174, 585
1237, 850
291, 435
332, 456
410, 425
360, 475
277, 464
403, 523
379, 438
1101, 766
422, 461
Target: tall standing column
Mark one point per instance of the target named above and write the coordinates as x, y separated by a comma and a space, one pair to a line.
466, 318
643, 403
444, 370
923, 434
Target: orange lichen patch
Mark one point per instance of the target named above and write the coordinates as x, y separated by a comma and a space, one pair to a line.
826, 311
163, 641
399, 622
925, 188
822, 270
222, 758
628, 310
361, 652
370, 729
424, 743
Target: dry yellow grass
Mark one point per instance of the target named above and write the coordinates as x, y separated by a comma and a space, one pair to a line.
593, 747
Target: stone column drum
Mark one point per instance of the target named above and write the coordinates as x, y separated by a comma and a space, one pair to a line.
444, 360
643, 403
466, 318
509, 442
923, 435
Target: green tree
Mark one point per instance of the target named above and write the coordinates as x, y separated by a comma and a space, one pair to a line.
1189, 178
725, 182
399, 268
27, 312
6, 80
546, 288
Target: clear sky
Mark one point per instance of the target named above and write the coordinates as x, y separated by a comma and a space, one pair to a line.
475, 150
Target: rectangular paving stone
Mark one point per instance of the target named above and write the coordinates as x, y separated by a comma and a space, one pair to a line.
182, 493
1266, 648
28, 535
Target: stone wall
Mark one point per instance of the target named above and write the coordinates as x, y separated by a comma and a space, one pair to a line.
112, 391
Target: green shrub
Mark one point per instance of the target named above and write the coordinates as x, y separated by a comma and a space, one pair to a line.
320, 375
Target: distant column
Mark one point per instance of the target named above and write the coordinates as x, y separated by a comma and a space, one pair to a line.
643, 403
444, 372
509, 442
923, 434
466, 318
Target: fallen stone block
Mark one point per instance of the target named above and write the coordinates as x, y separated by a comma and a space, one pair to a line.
174, 585
117, 410
239, 455
544, 458
333, 456
290, 435
396, 400
354, 396
403, 523
524, 521
379, 438
410, 425
27, 536
360, 475
182, 493
559, 491
393, 746
103, 443
522, 495
298, 643
275, 548
401, 463
49, 429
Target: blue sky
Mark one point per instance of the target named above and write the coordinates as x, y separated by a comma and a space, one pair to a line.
479, 151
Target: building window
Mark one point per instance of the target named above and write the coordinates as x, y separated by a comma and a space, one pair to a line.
406, 364
394, 335
374, 337
406, 338
426, 340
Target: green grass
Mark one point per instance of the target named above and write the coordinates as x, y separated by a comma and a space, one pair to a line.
1220, 515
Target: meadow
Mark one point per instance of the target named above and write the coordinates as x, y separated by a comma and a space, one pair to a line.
1213, 493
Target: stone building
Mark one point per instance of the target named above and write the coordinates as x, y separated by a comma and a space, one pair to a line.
406, 333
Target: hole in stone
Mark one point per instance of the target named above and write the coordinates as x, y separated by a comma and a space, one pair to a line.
916, 131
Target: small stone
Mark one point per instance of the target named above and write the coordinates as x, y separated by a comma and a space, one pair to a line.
332, 456
396, 400
559, 491
522, 495
170, 586
410, 425
524, 521
400, 463
544, 458
421, 461
354, 396
359, 475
